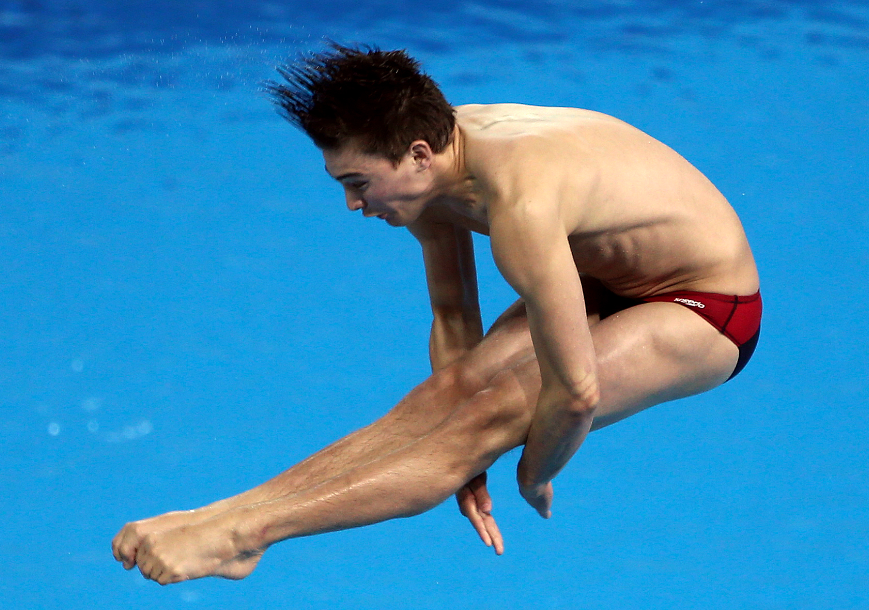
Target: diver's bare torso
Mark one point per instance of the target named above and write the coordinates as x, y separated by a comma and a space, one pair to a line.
639, 217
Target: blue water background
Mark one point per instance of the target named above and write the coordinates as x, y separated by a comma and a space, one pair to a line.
186, 308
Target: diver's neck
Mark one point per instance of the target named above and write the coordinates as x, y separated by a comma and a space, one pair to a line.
456, 188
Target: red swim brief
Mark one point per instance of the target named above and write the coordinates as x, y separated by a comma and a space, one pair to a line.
736, 317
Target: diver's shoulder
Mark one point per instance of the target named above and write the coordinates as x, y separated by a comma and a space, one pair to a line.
522, 119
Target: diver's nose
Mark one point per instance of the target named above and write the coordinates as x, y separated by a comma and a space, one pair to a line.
354, 203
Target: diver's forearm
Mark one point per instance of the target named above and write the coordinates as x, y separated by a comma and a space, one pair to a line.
557, 431
452, 336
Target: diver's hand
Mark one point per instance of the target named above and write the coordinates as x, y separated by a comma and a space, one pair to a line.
539, 497
475, 503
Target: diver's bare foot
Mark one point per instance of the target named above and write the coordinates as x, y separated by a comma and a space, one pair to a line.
128, 540
210, 548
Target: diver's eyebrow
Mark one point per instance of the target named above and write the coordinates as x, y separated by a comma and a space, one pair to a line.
342, 176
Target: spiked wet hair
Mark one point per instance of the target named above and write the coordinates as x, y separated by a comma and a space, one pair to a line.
379, 99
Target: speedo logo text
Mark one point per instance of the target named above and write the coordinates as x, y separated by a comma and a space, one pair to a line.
690, 303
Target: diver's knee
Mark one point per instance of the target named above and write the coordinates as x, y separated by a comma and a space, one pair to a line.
505, 403
439, 394
460, 379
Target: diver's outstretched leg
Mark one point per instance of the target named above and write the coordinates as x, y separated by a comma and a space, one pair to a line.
406, 482
423, 409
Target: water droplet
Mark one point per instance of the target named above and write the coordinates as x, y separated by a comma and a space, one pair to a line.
54, 428
130, 433
91, 404
93, 426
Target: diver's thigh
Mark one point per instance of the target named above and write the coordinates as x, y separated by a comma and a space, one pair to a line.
653, 353
507, 343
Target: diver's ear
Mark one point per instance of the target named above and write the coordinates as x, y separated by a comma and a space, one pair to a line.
421, 154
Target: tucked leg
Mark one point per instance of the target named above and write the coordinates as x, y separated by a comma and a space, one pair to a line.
424, 408
405, 482
646, 354
655, 353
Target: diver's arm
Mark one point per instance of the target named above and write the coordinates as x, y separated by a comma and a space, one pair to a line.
448, 254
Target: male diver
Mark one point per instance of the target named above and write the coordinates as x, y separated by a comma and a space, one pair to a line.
636, 282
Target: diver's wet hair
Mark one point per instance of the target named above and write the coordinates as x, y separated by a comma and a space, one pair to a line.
379, 99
